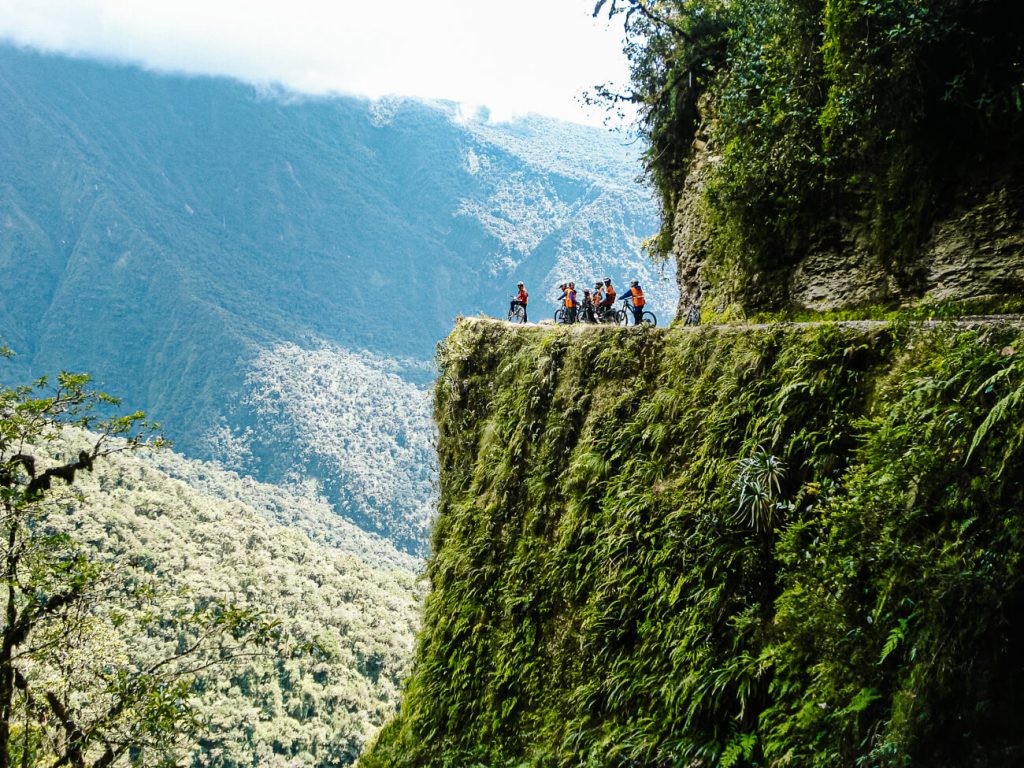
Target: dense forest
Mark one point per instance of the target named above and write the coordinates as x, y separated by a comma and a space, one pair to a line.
236, 235
782, 128
202, 619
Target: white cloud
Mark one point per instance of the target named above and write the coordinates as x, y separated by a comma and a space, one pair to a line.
528, 55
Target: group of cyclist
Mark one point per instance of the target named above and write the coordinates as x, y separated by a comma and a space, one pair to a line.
597, 305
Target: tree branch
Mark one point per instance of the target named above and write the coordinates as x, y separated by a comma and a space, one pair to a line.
73, 754
65, 472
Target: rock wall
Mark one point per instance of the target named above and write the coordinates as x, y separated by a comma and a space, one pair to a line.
975, 251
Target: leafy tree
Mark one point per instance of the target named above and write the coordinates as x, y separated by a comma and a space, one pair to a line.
831, 121
674, 48
71, 691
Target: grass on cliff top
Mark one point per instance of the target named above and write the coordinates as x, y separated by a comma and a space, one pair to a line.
789, 546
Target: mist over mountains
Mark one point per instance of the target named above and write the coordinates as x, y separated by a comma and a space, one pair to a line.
268, 275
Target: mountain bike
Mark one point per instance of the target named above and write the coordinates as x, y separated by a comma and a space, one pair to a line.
693, 315
587, 313
626, 313
516, 313
561, 317
606, 315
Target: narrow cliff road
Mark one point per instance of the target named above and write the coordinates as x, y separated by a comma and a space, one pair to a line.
965, 321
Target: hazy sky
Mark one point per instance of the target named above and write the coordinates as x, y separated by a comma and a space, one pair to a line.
513, 56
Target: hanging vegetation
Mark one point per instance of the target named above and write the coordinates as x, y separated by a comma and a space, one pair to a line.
775, 546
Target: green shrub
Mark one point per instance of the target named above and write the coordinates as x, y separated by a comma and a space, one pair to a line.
832, 119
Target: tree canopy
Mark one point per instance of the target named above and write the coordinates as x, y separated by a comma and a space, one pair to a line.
70, 694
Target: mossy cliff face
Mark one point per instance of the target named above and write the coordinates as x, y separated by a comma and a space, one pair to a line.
768, 546
973, 250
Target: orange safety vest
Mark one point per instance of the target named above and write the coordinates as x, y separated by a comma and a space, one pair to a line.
638, 296
570, 298
609, 295
523, 296
597, 297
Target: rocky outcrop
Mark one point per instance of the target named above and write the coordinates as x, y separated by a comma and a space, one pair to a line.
980, 250
691, 232
976, 251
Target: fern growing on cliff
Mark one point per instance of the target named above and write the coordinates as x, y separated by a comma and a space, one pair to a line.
596, 603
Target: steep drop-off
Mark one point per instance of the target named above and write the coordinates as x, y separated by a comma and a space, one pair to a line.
787, 545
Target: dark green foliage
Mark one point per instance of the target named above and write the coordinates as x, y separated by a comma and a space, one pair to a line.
674, 55
834, 122
600, 597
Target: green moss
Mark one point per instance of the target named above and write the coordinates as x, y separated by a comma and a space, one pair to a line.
917, 311
600, 598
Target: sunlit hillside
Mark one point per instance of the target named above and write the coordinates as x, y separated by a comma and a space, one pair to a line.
213, 535
176, 236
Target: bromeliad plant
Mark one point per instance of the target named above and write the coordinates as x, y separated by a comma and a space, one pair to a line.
757, 490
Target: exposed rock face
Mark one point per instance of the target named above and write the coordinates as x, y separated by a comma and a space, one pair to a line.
839, 277
691, 232
976, 251
979, 251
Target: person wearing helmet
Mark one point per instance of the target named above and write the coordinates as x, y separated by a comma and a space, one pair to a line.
563, 301
571, 304
609, 294
636, 295
520, 300
597, 294
606, 302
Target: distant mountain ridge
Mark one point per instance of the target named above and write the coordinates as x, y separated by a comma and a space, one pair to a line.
169, 234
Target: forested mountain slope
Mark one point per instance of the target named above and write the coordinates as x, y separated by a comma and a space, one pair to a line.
196, 242
215, 536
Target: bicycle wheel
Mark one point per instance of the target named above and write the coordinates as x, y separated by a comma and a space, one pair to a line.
559, 315
622, 317
648, 318
517, 315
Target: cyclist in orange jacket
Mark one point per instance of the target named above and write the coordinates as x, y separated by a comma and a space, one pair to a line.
564, 288
636, 295
604, 300
571, 304
520, 300
609, 294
